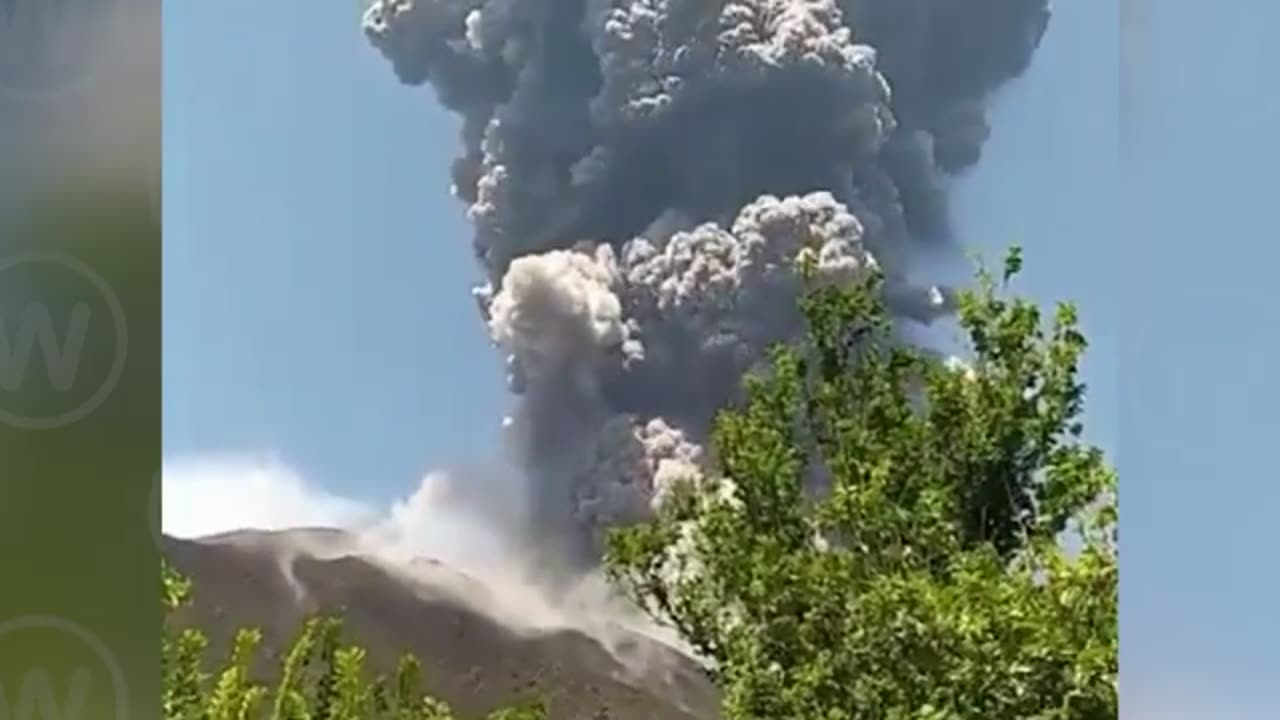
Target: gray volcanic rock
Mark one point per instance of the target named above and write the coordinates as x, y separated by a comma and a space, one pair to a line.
472, 660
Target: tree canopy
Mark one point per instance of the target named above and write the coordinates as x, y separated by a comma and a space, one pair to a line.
888, 534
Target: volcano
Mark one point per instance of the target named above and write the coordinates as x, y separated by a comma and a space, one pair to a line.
472, 658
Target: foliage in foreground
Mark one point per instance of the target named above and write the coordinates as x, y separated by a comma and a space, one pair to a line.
320, 679
926, 578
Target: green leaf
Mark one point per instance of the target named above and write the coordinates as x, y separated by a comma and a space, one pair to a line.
938, 590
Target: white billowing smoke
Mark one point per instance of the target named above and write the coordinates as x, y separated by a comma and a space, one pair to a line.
448, 534
644, 177
204, 496
555, 310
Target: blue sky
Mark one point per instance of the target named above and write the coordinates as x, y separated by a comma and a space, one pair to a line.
317, 274
317, 270
1198, 421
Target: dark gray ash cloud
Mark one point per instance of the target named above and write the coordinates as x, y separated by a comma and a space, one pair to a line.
642, 176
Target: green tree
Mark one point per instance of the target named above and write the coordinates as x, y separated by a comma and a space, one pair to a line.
319, 678
890, 535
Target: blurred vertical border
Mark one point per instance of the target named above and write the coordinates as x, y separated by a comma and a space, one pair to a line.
80, 273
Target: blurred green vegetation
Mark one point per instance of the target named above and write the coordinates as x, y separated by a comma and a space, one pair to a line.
76, 504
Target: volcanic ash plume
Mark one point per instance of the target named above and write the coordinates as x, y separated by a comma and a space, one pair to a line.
644, 175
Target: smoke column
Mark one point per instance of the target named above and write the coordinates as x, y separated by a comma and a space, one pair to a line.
643, 175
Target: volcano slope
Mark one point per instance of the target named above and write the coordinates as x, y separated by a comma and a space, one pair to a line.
471, 659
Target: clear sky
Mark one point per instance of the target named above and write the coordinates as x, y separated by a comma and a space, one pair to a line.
1194, 267
317, 274
317, 270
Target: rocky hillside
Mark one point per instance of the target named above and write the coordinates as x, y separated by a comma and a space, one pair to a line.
471, 660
